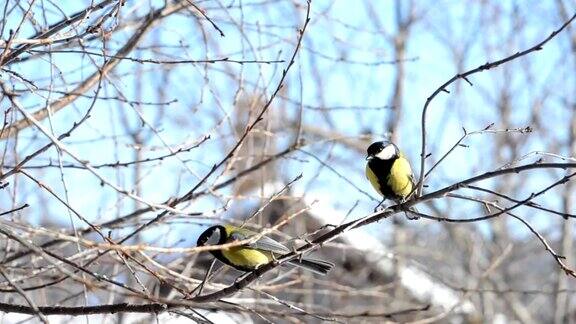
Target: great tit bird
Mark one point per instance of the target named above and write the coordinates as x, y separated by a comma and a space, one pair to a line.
251, 256
389, 171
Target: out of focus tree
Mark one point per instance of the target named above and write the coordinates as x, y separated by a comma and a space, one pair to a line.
130, 126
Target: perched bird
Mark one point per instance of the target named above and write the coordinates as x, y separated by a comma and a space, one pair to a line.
251, 256
389, 172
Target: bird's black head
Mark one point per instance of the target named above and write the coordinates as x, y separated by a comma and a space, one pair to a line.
214, 235
383, 150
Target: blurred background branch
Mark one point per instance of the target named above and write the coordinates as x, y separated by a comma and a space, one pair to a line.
156, 119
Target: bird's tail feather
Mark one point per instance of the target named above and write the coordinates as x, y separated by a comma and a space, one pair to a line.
317, 266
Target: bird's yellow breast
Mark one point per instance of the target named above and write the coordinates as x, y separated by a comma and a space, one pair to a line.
391, 178
373, 179
247, 257
400, 178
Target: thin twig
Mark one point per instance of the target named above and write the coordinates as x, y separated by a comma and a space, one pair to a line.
23, 294
464, 76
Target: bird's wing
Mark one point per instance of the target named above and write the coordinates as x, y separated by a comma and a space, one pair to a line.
264, 243
237, 236
412, 178
268, 244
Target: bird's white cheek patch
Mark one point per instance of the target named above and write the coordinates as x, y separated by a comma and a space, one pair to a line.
387, 153
213, 239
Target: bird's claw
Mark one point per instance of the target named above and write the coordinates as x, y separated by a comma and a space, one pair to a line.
379, 208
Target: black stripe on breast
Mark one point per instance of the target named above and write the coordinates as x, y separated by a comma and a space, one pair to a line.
381, 169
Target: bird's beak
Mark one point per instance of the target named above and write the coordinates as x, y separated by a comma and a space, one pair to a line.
369, 157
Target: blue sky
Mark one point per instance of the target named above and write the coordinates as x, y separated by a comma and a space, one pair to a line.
206, 94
